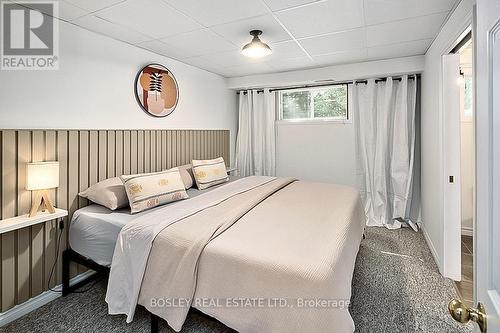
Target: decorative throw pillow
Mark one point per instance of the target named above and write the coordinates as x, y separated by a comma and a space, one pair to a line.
109, 193
150, 190
209, 172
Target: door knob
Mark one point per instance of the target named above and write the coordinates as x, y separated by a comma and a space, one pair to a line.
463, 314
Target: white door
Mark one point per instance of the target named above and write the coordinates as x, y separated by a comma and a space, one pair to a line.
488, 160
451, 157
487, 230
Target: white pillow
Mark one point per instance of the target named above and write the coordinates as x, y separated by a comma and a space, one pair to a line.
109, 193
209, 173
148, 190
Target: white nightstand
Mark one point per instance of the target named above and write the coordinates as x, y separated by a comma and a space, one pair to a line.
23, 221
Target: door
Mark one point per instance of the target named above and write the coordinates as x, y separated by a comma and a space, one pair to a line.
451, 157
488, 159
487, 128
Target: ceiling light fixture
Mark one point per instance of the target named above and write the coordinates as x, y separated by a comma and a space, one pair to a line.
256, 48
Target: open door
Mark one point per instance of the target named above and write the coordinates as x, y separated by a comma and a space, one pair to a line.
451, 157
487, 230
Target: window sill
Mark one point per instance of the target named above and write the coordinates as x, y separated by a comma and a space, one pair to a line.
313, 122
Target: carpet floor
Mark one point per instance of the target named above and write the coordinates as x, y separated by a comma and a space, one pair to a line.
396, 288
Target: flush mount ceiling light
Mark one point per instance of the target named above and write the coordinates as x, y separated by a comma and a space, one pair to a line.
256, 48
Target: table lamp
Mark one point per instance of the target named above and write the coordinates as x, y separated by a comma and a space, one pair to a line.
41, 176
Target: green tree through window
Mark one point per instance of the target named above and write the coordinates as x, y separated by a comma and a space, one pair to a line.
323, 103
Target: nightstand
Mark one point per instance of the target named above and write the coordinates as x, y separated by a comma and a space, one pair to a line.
23, 221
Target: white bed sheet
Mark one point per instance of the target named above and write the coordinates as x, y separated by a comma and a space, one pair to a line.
94, 229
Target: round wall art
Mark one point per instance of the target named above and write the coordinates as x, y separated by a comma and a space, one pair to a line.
156, 90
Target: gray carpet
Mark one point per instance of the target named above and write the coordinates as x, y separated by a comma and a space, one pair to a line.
396, 288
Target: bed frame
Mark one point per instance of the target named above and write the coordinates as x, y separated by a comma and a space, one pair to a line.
71, 256
101, 271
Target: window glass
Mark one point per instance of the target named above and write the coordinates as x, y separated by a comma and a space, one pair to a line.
315, 103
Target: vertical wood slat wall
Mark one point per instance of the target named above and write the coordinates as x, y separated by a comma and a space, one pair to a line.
85, 157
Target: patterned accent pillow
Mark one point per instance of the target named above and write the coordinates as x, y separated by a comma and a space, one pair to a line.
148, 190
209, 172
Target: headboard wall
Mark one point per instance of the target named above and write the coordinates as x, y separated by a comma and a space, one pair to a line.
85, 157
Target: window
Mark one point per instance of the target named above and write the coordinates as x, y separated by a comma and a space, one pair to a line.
326, 103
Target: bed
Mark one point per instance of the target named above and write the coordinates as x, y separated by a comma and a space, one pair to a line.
94, 229
260, 254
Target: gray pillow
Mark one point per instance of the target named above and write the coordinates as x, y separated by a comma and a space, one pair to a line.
109, 193
187, 175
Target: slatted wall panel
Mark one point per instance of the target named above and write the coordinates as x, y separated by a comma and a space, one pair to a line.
85, 157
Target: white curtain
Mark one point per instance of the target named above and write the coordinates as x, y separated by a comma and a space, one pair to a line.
385, 122
255, 144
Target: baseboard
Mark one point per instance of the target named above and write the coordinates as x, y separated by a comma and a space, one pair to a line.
467, 231
34, 303
431, 247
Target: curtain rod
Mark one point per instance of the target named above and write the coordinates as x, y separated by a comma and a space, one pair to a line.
395, 78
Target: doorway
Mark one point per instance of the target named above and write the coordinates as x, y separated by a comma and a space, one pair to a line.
464, 50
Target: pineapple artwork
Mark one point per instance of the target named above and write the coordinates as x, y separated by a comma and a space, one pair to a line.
156, 90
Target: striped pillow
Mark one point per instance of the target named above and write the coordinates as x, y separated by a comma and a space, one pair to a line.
148, 190
209, 172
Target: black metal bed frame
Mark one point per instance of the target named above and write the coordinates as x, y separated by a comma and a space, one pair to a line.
101, 271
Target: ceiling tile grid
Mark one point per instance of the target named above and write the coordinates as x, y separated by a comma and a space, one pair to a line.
302, 33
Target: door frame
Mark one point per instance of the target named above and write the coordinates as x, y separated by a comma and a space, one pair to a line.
450, 249
452, 185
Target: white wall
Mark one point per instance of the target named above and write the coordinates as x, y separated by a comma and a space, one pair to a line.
431, 123
317, 152
467, 174
339, 73
323, 151
467, 157
94, 88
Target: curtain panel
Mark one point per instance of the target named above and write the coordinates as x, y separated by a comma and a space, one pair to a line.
387, 153
256, 141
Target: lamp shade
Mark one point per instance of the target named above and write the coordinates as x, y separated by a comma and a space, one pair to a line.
256, 48
42, 175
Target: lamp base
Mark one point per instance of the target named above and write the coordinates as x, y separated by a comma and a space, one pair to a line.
41, 199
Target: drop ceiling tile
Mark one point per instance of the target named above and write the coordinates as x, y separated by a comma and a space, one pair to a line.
159, 47
279, 64
150, 17
336, 42
248, 69
93, 5
380, 11
423, 27
66, 11
232, 58
198, 42
238, 31
201, 62
285, 50
283, 4
104, 27
323, 17
399, 50
210, 12
340, 58
435, 6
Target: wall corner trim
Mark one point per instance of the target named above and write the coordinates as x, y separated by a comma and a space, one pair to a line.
38, 301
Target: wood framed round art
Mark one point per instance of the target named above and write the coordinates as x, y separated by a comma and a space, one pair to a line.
156, 90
